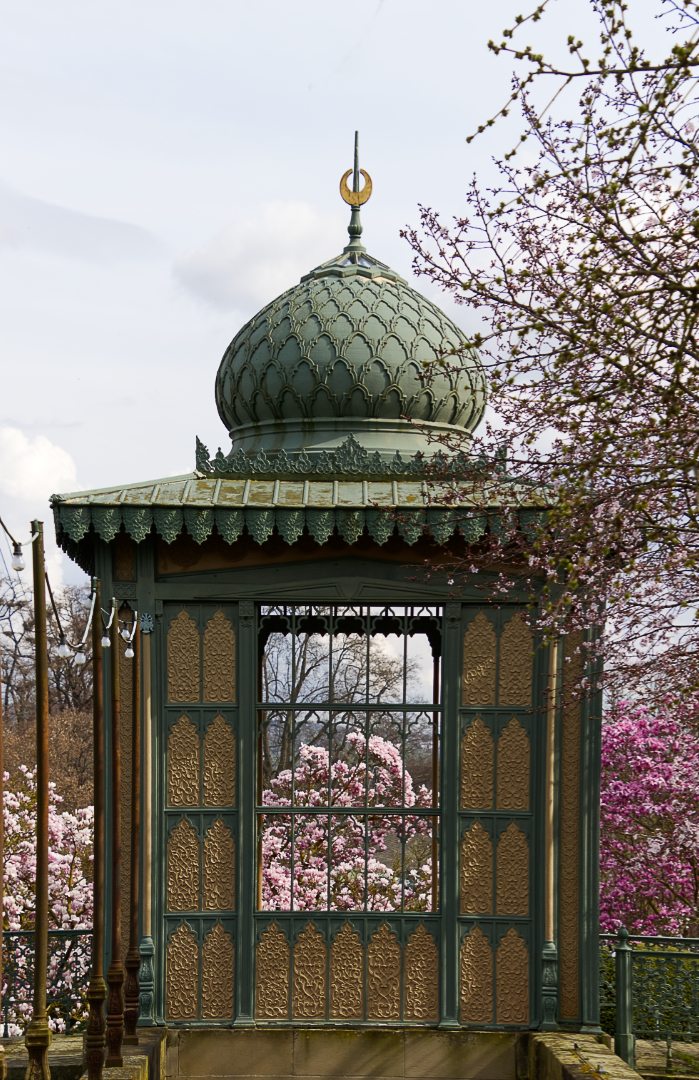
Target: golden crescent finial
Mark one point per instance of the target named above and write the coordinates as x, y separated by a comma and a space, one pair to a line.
356, 198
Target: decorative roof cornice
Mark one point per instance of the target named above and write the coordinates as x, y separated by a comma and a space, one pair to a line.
350, 460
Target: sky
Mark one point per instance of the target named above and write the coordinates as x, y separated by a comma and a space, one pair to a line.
168, 167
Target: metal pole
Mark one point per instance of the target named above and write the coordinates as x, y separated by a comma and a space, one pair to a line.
97, 990
133, 958
624, 1040
115, 973
38, 1035
3, 1060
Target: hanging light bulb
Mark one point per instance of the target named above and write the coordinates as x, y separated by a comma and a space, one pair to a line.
125, 634
18, 562
106, 641
80, 658
128, 652
63, 649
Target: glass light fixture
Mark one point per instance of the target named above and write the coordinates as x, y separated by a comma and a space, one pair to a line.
106, 641
63, 649
80, 658
18, 562
128, 652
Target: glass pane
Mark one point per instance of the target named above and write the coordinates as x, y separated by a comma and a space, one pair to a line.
310, 862
348, 862
422, 759
386, 668
384, 865
420, 666
421, 871
274, 853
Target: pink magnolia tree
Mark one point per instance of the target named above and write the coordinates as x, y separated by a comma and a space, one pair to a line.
70, 902
361, 864
70, 859
649, 849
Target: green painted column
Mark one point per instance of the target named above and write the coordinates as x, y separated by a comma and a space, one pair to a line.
451, 692
247, 797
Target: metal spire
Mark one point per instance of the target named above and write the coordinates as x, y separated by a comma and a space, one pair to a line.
355, 198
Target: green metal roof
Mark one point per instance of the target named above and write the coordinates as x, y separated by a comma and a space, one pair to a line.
198, 503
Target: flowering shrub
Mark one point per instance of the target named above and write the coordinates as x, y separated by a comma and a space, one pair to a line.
70, 902
70, 859
362, 865
649, 850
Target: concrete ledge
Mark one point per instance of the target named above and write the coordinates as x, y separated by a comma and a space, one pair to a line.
351, 1053
559, 1056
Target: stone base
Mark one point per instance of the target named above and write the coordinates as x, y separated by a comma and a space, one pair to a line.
354, 1054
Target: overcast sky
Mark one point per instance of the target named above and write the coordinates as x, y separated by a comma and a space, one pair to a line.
169, 167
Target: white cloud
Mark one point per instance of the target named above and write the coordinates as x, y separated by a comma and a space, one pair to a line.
31, 470
29, 222
254, 259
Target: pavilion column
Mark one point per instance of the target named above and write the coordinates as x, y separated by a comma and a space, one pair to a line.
133, 959
147, 950
97, 991
38, 1035
115, 974
549, 979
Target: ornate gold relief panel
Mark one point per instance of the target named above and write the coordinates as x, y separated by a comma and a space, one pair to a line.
310, 979
219, 868
512, 979
217, 975
219, 764
479, 662
183, 868
347, 976
182, 975
476, 872
477, 767
570, 829
513, 767
219, 659
272, 975
512, 872
515, 686
476, 970
183, 659
183, 764
383, 975
421, 977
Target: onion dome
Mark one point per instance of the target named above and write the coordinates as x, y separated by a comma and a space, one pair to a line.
340, 355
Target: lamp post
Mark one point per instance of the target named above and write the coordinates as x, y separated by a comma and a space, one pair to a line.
97, 990
38, 1035
115, 972
133, 958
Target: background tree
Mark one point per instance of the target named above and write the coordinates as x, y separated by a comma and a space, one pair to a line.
583, 263
307, 669
649, 843
70, 690
354, 869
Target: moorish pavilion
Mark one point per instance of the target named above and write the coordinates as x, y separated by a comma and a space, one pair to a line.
361, 802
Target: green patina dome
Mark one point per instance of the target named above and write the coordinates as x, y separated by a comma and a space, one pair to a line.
341, 354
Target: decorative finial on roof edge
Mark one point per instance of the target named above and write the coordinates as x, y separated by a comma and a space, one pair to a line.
355, 198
